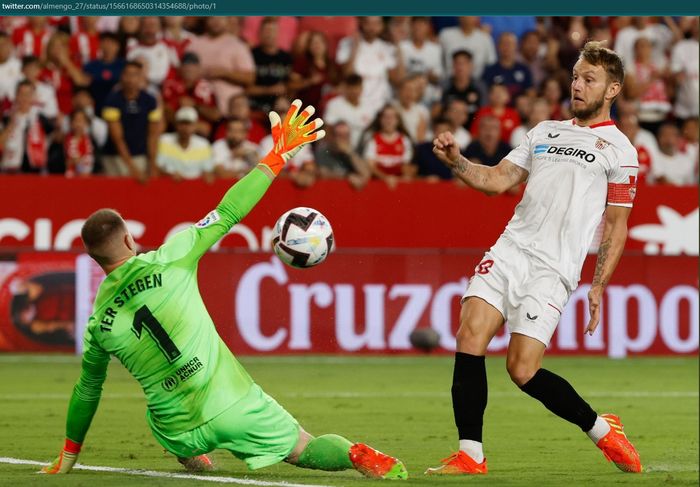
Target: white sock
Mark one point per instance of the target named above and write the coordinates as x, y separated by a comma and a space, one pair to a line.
474, 449
599, 430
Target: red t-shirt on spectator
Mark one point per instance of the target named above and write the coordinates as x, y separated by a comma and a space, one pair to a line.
84, 47
510, 120
174, 89
256, 132
63, 85
79, 150
179, 46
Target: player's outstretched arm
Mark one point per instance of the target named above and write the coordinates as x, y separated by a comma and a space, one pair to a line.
489, 180
82, 407
610, 250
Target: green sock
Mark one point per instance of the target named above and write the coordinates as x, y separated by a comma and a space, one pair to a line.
327, 452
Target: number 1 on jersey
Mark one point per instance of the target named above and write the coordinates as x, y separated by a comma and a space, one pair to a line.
144, 317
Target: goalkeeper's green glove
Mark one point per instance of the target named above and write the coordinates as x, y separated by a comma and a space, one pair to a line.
290, 135
65, 461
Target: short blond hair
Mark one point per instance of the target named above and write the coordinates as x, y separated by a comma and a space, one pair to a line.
595, 53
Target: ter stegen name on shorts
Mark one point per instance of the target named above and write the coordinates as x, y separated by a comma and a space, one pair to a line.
130, 290
182, 374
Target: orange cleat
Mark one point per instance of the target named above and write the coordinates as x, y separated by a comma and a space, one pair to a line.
617, 448
200, 463
375, 464
459, 464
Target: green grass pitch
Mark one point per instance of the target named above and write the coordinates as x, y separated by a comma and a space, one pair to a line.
400, 405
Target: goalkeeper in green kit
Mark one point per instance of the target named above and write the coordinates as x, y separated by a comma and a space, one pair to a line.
149, 314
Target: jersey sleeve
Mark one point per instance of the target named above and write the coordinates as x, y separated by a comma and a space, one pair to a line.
622, 179
192, 243
522, 155
88, 390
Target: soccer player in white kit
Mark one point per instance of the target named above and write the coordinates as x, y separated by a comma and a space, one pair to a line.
576, 171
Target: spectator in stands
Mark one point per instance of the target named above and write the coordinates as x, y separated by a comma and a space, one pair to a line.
175, 36
673, 165
349, 108
226, 61
313, 71
488, 148
189, 88
388, 148
420, 54
272, 68
468, 37
45, 94
31, 38
234, 155
134, 120
415, 116
152, 51
531, 54
98, 129
685, 66
646, 84
128, 32
337, 158
84, 44
507, 70
374, 59
239, 108
456, 114
552, 92
10, 71
301, 168
462, 85
660, 35
61, 72
26, 136
78, 146
183, 154
642, 140
429, 166
690, 134
333, 28
398, 29
498, 107
541, 111
106, 71
287, 30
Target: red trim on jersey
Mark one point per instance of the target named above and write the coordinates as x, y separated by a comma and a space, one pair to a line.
629, 166
550, 304
621, 193
595, 125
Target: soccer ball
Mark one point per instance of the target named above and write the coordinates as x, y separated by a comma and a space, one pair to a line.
302, 237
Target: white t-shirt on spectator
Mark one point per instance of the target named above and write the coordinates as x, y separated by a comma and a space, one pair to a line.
46, 100
159, 58
373, 61
660, 36
10, 74
647, 148
684, 59
424, 60
678, 169
412, 117
479, 44
358, 118
304, 156
224, 158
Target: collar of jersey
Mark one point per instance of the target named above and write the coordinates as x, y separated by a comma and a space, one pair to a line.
605, 123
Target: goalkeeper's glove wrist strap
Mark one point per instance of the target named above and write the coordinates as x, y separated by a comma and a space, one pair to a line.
274, 161
72, 446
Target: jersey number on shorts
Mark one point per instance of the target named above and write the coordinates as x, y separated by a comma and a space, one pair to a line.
144, 317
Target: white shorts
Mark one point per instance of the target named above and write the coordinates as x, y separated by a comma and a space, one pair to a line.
528, 294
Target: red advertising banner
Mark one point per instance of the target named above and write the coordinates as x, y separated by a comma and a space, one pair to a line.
361, 302
46, 213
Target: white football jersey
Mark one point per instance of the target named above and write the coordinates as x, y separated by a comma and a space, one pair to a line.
574, 172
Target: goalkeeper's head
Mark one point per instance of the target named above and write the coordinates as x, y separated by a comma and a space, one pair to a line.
107, 239
597, 80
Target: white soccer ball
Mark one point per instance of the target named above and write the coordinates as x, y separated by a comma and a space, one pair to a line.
302, 237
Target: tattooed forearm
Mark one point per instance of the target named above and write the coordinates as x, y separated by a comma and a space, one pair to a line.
603, 251
475, 175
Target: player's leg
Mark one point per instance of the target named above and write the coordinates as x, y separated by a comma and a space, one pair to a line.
479, 323
333, 452
524, 364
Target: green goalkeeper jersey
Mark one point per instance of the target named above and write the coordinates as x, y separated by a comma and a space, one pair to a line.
149, 314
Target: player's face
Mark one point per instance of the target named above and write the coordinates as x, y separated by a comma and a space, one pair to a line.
588, 88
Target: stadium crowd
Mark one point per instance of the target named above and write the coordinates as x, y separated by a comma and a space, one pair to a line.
187, 97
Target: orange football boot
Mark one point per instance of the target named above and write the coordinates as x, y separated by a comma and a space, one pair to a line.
375, 464
459, 464
617, 448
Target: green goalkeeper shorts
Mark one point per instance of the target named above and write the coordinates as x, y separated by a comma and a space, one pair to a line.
256, 430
